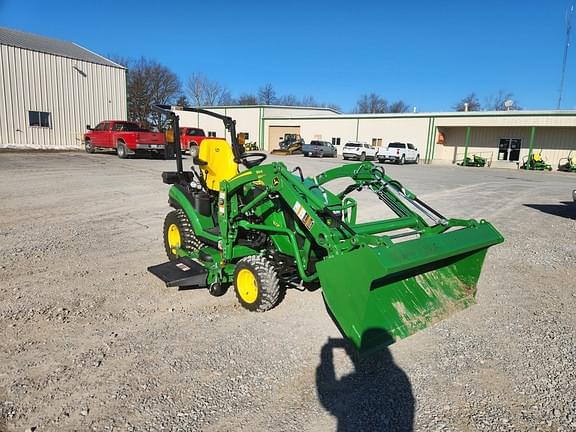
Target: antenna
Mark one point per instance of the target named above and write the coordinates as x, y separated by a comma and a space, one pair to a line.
566, 45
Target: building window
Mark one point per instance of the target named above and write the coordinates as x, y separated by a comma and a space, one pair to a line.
39, 118
376, 142
211, 134
336, 141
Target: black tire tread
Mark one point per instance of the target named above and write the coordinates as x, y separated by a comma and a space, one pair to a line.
270, 290
190, 242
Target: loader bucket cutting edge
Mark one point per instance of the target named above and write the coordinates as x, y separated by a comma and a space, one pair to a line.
379, 295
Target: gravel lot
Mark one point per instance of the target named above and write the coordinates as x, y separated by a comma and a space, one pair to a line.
91, 341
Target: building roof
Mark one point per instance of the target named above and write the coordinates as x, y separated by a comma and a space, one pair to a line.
46, 45
442, 114
296, 107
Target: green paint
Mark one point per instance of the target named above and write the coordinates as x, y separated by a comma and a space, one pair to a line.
427, 140
260, 130
467, 142
531, 145
433, 139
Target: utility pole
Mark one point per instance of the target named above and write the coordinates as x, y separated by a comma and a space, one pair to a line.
566, 45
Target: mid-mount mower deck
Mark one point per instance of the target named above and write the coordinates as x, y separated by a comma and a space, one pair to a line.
264, 228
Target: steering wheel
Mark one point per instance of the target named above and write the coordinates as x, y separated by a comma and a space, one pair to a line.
250, 160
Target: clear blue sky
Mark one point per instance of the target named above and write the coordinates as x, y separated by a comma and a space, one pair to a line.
430, 54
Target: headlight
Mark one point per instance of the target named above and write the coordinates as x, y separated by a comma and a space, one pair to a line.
194, 151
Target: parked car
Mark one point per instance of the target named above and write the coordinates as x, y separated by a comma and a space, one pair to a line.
319, 149
358, 151
399, 153
125, 137
191, 136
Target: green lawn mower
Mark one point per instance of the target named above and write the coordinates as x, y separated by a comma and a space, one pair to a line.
568, 163
263, 229
535, 162
474, 161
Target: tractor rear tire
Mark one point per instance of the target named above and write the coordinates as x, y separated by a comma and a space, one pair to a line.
178, 234
256, 284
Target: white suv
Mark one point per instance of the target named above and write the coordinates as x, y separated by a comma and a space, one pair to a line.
359, 151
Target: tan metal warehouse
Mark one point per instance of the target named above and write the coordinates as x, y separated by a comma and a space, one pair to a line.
505, 138
51, 89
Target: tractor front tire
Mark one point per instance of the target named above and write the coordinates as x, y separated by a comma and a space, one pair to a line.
256, 284
178, 234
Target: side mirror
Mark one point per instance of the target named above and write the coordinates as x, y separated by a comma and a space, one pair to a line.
88, 127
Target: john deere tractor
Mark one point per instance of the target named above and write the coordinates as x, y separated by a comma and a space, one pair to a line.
257, 229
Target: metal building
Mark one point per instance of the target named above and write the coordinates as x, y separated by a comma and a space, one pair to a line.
51, 89
505, 138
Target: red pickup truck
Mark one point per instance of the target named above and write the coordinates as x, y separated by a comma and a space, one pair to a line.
191, 136
125, 137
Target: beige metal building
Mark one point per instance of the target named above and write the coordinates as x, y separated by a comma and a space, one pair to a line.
250, 120
51, 89
505, 138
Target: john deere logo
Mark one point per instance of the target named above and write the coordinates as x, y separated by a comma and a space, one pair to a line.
275, 181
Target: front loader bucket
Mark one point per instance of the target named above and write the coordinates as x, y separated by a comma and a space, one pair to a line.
381, 294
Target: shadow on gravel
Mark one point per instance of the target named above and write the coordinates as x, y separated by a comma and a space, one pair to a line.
377, 396
566, 209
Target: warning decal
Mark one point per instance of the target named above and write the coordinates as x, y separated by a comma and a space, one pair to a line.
303, 215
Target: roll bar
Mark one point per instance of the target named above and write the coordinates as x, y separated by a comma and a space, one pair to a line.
229, 124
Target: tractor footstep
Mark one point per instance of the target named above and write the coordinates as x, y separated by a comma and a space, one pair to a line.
181, 272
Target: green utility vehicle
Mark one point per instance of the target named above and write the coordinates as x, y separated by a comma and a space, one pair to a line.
264, 228
568, 163
535, 162
474, 161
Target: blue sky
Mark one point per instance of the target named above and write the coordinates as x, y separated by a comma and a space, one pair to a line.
429, 54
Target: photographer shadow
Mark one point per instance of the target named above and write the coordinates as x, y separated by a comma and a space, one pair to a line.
376, 396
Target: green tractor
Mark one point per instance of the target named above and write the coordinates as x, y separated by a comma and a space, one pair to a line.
474, 161
264, 228
568, 163
535, 162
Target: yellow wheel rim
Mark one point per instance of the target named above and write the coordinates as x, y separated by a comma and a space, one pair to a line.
174, 238
247, 286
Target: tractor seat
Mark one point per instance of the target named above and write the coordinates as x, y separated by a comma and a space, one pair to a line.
220, 165
537, 157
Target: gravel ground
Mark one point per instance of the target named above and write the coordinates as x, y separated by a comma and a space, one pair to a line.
91, 341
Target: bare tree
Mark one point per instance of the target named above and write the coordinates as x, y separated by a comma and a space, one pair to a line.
203, 91
226, 98
247, 99
498, 102
150, 82
398, 107
267, 95
471, 100
182, 101
289, 100
371, 103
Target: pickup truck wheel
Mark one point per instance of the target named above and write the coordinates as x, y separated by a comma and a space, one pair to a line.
362, 157
321, 154
88, 146
178, 234
121, 150
402, 160
256, 284
417, 159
